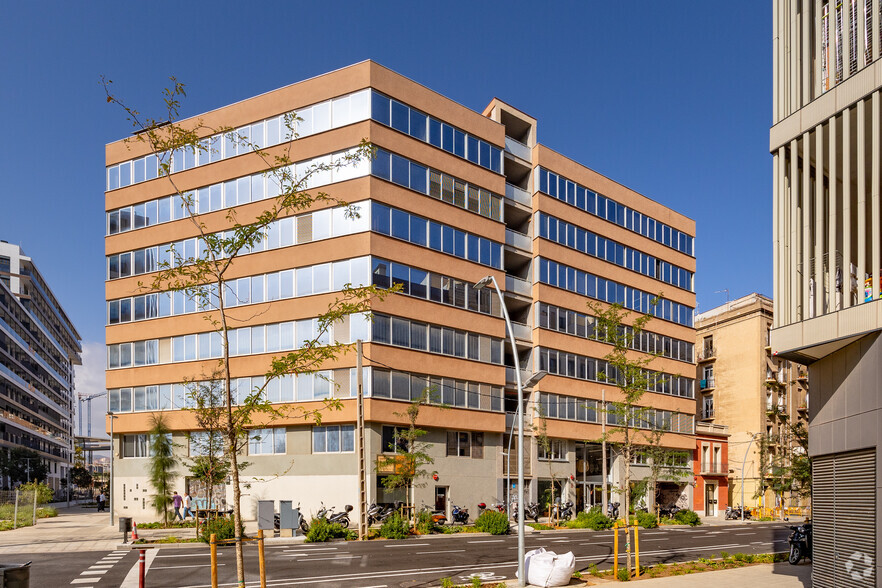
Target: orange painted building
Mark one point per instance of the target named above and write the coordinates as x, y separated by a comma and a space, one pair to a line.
452, 196
710, 465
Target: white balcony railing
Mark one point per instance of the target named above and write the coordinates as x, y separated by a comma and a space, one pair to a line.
519, 195
519, 240
518, 149
518, 286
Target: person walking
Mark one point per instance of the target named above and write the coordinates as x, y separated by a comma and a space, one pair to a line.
101, 500
188, 500
176, 502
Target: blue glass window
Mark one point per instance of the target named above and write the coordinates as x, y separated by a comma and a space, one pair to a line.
496, 255
459, 143
379, 108
434, 236
380, 218
472, 149
419, 178
447, 138
125, 174
434, 132
400, 224
418, 122
418, 230
400, 117
400, 170
447, 240
459, 244
495, 159
486, 257
381, 164
473, 252
484, 154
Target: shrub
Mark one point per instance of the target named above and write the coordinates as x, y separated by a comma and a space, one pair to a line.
222, 527
624, 575
446, 582
687, 517
493, 522
320, 530
44, 492
593, 519
425, 525
395, 527
647, 520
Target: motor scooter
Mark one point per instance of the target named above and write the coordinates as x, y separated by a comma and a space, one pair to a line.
460, 515
800, 543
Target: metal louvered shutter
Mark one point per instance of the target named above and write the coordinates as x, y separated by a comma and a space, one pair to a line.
822, 520
844, 513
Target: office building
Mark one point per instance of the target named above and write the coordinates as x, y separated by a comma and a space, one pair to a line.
39, 348
825, 143
756, 396
451, 197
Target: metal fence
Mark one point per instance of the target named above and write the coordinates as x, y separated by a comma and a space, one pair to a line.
20, 508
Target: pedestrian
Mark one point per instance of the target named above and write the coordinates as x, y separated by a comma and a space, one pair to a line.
101, 500
187, 502
176, 502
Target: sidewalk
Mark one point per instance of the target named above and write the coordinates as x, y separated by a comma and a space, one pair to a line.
74, 529
780, 575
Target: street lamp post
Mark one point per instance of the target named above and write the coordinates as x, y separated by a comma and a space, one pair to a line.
519, 418
110, 485
531, 381
743, 465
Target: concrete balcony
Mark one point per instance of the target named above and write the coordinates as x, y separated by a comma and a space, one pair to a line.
510, 376
518, 195
518, 149
713, 469
518, 286
522, 332
519, 240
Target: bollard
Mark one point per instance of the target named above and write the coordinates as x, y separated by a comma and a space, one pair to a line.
141, 567
213, 543
134, 531
15, 515
261, 559
616, 550
636, 551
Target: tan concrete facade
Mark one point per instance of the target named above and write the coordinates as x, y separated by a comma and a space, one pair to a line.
301, 474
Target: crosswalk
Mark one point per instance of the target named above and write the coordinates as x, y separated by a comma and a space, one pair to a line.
90, 577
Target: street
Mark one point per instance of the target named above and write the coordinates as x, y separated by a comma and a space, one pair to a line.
421, 561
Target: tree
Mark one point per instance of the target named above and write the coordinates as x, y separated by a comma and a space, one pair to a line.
628, 372
204, 277
544, 442
22, 465
162, 465
80, 476
210, 464
411, 454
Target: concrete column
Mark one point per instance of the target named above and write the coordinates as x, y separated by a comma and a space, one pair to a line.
777, 51
819, 80
846, 208
793, 232
777, 233
874, 195
818, 274
875, 30
861, 199
805, 221
833, 225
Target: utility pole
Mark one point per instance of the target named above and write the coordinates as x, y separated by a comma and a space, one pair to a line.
362, 483
603, 450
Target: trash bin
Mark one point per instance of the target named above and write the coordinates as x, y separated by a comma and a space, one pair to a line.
15, 575
125, 524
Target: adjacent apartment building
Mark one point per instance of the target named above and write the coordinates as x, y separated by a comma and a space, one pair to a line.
756, 396
452, 196
39, 348
825, 143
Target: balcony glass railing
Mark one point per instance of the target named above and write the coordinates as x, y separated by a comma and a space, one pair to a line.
518, 286
519, 195
713, 467
519, 240
518, 149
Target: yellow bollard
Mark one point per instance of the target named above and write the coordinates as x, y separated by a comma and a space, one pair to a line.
212, 541
261, 559
615, 550
636, 551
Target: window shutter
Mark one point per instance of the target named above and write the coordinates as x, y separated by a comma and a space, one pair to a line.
304, 229
451, 443
477, 445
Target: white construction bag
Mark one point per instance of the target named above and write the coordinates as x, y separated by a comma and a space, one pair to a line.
546, 568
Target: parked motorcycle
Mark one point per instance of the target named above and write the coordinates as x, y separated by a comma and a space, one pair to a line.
304, 526
340, 518
460, 515
669, 511
612, 510
498, 506
438, 517
800, 543
384, 513
532, 511
734, 514
563, 511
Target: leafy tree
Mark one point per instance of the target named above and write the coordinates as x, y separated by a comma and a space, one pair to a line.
543, 441
162, 465
210, 463
411, 454
22, 465
664, 464
204, 277
628, 372
81, 476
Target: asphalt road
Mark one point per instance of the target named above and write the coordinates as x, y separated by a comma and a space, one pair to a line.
412, 563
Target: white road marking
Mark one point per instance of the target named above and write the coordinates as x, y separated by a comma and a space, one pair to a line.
83, 580
444, 551
189, 555
487, 541
336, 557
208, 565
408, 545
91, 572
99, 567
131, 579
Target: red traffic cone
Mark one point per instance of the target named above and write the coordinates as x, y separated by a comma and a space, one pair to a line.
134, 531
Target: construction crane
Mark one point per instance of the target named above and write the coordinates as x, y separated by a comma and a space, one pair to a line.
87, 398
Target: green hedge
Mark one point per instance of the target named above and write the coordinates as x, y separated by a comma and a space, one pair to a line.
394, 527
493, 522
593, 519
687, 517
320, 530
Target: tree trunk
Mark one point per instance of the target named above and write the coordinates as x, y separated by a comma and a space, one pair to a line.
627, 501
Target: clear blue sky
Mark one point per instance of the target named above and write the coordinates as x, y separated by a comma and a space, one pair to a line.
670, 99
